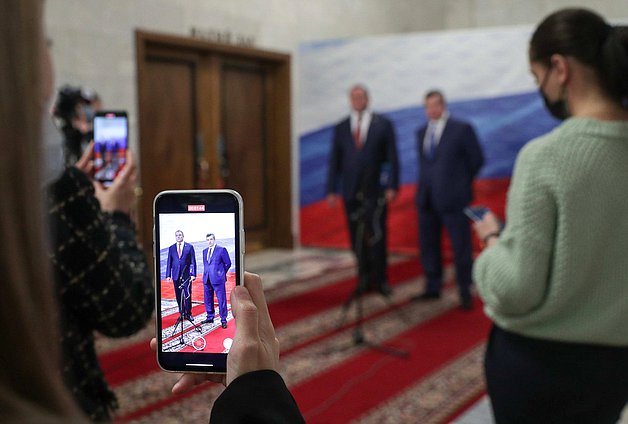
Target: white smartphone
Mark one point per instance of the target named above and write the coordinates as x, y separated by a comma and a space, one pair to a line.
198, 254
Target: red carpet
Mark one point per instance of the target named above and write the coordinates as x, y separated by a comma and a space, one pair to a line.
332, 380
436, 343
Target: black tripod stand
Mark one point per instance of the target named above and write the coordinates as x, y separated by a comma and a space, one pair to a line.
365, 237
184, 288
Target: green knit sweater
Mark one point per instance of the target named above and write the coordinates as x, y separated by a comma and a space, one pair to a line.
559, 270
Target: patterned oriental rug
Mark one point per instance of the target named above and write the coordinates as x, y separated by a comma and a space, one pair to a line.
333, 379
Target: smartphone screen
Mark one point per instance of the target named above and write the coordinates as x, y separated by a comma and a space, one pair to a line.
111, 139
198, 256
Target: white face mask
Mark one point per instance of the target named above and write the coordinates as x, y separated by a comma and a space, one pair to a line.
52, 149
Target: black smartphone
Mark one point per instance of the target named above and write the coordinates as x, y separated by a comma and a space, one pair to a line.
476, 213
198, 252
111, 141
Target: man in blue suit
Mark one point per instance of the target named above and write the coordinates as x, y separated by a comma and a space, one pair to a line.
181, 270
364, 157
450, 157
216, 263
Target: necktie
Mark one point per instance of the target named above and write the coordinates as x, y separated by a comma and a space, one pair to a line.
179, 250
431, 147
209, 253
357, 134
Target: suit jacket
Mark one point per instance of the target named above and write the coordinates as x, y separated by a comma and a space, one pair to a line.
362, 169
446, 180
218, 265
176, 266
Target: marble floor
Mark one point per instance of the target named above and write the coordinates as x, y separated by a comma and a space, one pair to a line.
279, 266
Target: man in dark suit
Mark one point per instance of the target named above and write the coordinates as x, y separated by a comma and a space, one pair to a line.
450, 157
216, 263
364, 157
181, 270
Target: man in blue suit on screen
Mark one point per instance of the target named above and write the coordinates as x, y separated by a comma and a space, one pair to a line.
364, 157
181, 270
216, 263
450, 157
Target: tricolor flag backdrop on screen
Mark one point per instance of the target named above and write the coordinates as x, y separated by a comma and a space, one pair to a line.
486, 80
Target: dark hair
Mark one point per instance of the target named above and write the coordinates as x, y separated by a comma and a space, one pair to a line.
210, 235
432, 93
64, 111
587, 37
68, 98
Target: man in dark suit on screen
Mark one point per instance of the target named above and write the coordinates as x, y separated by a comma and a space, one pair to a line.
364, 157
450, 157
216, 263
181, 270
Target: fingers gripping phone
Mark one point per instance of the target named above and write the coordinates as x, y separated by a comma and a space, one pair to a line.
198, 254
111, 140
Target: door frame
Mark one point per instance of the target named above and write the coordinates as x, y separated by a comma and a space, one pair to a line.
278, 120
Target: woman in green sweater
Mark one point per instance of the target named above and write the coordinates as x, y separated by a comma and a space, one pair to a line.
555, 280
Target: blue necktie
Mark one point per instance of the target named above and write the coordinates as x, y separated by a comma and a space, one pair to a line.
431, 147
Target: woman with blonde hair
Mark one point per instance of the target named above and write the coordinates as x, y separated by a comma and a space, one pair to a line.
31, 389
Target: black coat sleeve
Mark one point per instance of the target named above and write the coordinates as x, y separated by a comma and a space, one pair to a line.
257, 397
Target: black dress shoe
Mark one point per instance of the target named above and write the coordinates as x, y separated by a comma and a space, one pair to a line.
223, 325
425, 297
466, 305
384, 289
208, 321
190, 317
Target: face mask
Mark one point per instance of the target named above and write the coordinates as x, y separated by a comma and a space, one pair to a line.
557, 108
52, 150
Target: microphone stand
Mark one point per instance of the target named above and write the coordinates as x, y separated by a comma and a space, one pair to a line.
182, 315
361, 246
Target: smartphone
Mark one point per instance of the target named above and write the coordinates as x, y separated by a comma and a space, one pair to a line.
476, 213
198, 254
111, 141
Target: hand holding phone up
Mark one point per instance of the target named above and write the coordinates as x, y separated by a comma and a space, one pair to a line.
489, 225
255, 345
120, 195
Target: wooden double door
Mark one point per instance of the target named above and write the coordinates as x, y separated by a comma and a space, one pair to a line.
216, 116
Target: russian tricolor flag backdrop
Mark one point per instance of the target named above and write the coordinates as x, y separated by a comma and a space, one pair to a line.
485, 77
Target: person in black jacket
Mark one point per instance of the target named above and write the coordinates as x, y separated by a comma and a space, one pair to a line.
363, 158
101, 275
450, 157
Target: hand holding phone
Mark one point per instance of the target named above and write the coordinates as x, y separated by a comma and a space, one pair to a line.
120, 195
252, 328
199, 256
